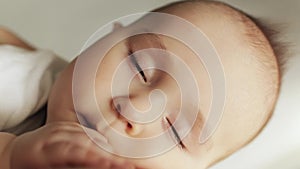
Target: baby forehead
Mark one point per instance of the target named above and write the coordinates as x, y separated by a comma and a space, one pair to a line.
222, 23
226, 27
212, 23
211, 16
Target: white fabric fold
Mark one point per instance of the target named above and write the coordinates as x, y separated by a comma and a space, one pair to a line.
26, 78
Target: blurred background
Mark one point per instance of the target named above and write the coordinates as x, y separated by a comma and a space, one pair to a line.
64, 26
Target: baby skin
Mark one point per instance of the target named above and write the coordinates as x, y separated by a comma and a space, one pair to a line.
252, 77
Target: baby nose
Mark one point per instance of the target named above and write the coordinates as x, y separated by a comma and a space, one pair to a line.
142, 108
138, 111
123, 109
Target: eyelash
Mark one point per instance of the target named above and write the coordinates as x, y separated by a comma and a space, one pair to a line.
176, 135
137, 66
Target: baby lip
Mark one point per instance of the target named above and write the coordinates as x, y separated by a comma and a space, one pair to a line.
99, 138
95, 134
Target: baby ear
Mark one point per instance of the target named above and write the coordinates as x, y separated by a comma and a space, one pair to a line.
117, 25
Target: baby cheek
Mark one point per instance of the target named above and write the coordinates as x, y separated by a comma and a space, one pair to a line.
173, 159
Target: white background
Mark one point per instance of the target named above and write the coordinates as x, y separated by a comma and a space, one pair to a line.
64, 25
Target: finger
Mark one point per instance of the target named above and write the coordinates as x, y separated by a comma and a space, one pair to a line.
80, 138
68, 154
121, 166
65, 154
75, 137
66, 126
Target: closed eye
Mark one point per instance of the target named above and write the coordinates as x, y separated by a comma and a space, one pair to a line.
176, 135
140, 42
137, 66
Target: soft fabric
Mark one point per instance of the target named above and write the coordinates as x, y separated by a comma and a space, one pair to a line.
26, 78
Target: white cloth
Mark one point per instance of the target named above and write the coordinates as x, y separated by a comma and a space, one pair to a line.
26, 78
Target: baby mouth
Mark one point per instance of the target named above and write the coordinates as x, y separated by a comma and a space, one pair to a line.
99, 138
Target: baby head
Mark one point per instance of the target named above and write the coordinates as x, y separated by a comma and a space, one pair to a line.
252, 70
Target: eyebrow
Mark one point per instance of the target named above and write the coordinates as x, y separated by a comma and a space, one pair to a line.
144, 41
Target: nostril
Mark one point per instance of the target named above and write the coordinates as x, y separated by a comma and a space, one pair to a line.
118, 107
129, 125
118, 110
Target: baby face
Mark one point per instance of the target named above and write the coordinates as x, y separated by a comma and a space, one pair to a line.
140, 48
249, 101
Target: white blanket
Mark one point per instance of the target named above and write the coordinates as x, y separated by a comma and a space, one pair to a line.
26, 78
